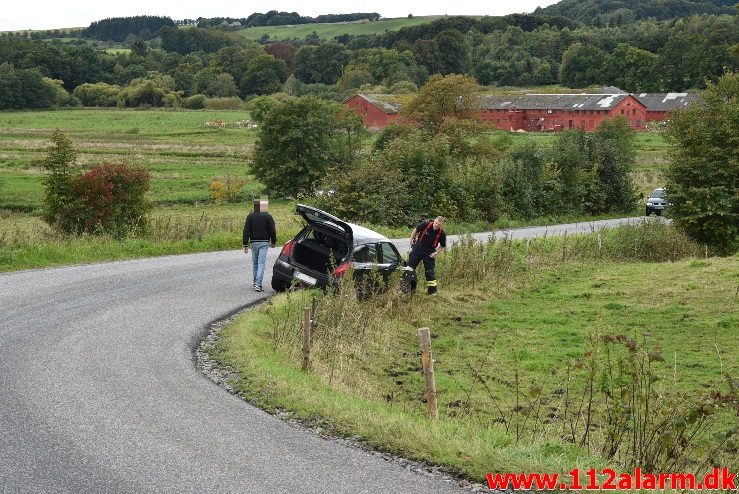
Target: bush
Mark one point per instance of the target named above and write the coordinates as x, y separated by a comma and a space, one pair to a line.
194, 102
370, 192
109, 199
145, 93
98, 94
226, 189
232, 103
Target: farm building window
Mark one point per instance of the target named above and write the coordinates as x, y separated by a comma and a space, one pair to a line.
622, 111
638, 122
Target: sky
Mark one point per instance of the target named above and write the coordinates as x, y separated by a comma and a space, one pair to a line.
17, 15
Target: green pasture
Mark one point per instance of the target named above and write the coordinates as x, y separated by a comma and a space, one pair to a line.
330, 30
182, 153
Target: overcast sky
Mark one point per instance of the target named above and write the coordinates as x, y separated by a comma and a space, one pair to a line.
17, 15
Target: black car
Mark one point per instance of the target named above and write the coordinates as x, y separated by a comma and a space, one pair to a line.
324, 250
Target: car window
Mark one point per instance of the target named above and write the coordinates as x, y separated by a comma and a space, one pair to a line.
366, 253
388, 253
657, 193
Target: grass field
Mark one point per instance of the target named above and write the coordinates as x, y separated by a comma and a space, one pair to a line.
330, 30
182, 154
510, 351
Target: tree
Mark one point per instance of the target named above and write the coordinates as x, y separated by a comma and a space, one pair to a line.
59, 198
582, 65
265, 75
24, 88
224, 86
632, 69
299, 140
703, 173
442, 98
322, 63
454, 51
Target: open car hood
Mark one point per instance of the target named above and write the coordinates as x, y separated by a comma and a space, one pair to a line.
316, 217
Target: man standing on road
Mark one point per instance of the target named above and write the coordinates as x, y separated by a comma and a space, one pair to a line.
259, 229
428, 240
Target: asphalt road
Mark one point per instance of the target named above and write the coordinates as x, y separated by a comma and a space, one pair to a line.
99, 392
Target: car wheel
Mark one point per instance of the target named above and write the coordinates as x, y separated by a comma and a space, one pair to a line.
407, 285
278, 285
658, 212
647, 213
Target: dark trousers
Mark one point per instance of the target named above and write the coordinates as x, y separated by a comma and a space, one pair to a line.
429, 267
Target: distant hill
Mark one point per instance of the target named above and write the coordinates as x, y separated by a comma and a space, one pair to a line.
329, 30
618, 12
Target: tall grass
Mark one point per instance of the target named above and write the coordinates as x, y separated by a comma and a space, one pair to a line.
610, 399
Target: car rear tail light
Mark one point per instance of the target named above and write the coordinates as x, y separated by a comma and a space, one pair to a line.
341, 269
287, 249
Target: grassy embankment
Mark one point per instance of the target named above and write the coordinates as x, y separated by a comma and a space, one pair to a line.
184, 156
520, 342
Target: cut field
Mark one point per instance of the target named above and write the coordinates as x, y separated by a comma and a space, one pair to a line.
328, 31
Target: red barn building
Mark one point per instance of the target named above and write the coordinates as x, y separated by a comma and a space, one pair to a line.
543, 112
376, 114
557, 112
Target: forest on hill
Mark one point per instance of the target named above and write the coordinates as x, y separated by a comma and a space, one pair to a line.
175, 66
619, 12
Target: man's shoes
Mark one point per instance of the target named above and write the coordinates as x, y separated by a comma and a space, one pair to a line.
258, 288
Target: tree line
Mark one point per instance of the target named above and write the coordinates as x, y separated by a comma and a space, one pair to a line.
275, 18
120, 28
519, 50
619, 12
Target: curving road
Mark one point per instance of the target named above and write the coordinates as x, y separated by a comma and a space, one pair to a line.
99, 393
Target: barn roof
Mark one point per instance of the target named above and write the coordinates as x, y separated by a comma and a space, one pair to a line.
391, 103
665, 101
384, 102
554, 101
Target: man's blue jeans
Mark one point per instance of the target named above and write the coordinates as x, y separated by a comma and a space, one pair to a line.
259, 259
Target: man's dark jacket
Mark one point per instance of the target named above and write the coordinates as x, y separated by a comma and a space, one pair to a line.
259, 227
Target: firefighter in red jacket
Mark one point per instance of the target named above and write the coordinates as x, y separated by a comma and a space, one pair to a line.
428, 240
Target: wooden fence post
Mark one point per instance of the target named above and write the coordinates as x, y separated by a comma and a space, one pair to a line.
427, 361
313, 309
306, 339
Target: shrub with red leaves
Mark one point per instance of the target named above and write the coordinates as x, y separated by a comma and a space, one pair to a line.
110, 199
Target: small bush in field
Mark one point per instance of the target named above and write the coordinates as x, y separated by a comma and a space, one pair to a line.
194, 102
231, 103
110, 199
226, 189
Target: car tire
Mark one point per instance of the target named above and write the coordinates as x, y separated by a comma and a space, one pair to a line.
407, 285
278, 285
647, 213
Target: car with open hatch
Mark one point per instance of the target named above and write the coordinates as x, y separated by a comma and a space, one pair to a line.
328, 247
